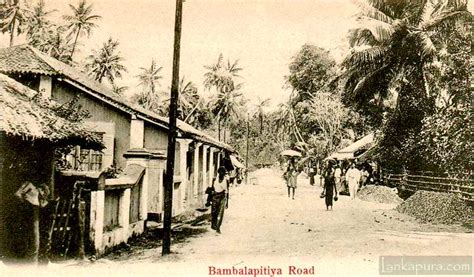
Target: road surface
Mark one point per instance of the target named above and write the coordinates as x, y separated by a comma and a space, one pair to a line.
265, 229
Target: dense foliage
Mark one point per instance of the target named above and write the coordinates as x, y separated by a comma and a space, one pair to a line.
387, 76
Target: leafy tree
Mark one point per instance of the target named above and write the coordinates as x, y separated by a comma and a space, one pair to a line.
390, 54
310, 71
12, 18
445, 141
81, 22
106, 62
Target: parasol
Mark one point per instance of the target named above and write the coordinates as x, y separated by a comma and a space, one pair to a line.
290, 153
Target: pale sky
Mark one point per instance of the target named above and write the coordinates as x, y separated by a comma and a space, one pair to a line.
262, 34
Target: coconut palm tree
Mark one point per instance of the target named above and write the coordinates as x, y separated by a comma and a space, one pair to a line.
221, 75
37, 21
391, 50
12, 18
227, 105
119, 90
106, 62
396, 41
188, 99
81, 22
57, 44
149, 98
261, 113
149, 77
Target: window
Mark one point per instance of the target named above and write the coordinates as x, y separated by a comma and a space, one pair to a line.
135, 202
111, 209
85, 159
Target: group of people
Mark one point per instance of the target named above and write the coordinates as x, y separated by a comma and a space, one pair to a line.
333, 177
333, 182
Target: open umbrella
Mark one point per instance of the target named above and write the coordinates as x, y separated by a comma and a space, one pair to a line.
290, 153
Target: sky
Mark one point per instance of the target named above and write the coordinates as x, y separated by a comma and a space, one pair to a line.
262, 34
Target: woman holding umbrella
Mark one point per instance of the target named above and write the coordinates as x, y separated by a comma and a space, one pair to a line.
292, 172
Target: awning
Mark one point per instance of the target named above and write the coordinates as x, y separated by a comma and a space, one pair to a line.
350, 151
236, 162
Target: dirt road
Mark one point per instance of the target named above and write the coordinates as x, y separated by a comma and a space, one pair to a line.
264, 228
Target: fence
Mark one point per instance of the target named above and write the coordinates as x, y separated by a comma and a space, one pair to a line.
463, 185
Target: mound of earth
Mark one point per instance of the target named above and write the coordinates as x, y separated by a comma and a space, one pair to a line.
379, 194
437, 207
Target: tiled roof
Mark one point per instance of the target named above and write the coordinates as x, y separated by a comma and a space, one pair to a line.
26, 114
25, 58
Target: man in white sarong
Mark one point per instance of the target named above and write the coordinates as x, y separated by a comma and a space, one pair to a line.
353, 178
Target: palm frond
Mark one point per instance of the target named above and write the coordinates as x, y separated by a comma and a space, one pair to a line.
372, 12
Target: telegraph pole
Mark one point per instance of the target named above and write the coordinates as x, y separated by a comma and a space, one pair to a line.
168, 191
247, 154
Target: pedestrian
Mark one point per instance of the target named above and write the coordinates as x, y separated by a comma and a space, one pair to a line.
353, 179
330, 189
291, 175
312, 173
338, 177
364, 175
219, 198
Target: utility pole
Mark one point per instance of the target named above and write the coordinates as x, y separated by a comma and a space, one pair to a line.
168, 191
247, 154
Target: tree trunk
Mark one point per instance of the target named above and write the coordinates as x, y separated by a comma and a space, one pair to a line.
191, 112
219, 129
12, 33
75, 42
36, 233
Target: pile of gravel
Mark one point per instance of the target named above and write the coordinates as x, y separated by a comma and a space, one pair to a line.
379, 194
437, 207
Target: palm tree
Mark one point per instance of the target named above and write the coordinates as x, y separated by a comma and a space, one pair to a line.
12, 18
119, 90
188, 99
81, 22
225, 106
286, 123
261, 114
390, 54
221, 75
149, 97
149, 77
393, 47
57, 44
106, 62
37, 22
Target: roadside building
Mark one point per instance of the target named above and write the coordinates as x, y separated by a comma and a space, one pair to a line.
30, 131
135, 140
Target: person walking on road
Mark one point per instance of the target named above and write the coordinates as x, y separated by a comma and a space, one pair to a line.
353, 178
219, 199
291, 176
338, 177
330, 189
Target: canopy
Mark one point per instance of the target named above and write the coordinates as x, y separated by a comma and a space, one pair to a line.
236, 162
349, 151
